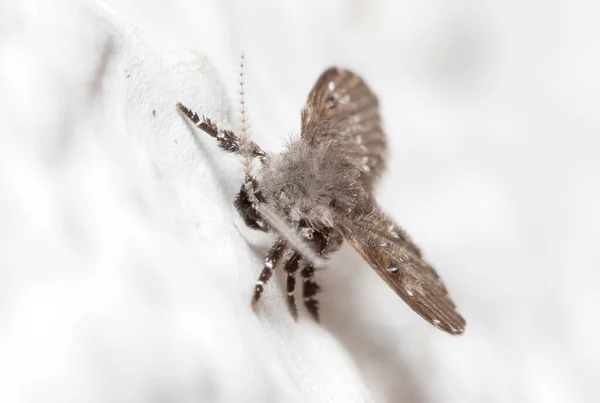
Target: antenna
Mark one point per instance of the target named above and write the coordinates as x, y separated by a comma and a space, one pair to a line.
244, 146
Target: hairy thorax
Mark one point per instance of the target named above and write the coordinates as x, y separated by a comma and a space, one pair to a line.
311, 183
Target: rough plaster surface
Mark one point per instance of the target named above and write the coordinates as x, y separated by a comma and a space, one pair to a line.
125, 274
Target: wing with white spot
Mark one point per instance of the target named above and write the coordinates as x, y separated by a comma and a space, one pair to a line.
342, 107
391, 253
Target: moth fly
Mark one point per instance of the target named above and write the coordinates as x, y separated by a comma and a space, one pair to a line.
318, 193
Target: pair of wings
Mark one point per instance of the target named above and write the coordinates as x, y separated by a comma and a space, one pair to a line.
342, 107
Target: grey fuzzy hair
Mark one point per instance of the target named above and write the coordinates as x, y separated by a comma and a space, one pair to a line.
311, 182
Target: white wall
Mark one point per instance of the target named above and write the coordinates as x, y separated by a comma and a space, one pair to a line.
125, 273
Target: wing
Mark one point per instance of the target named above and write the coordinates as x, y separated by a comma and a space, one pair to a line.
391, 253
342, 107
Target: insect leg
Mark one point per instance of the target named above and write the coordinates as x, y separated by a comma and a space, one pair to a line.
291, 267
310, 289
227, 139
271, 262
327, 241
245, 202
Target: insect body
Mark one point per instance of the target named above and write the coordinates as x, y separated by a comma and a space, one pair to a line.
318, 192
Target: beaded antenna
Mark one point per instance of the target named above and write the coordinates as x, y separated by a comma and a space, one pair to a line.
318, 193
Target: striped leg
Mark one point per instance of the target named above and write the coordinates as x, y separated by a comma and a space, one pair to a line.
291, 267
228, 141
327, 241
310, 290
246, 207
271, 261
